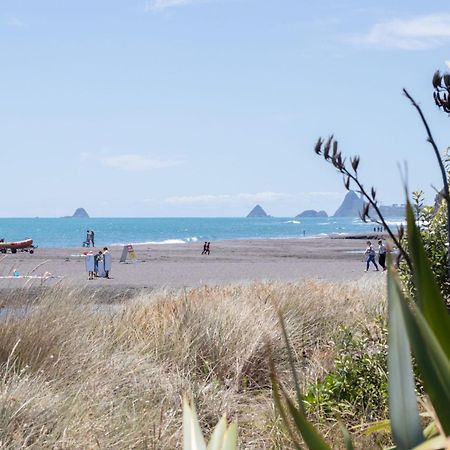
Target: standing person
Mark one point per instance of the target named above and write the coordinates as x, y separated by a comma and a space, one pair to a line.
90, 265
88, 238
107, 260
381, 255
370, 253
92, 238
207, 248
98, 258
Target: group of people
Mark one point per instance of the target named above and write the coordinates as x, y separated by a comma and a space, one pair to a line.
370, 254
206, 249
89, 239
98, 265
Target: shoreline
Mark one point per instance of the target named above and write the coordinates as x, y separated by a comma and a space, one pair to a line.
183, 265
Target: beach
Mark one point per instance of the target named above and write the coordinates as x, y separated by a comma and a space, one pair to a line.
183, 265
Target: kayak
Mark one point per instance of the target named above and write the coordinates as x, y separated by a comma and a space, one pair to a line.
24, 246
17, 244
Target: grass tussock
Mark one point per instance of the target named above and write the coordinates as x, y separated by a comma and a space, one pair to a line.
78, 375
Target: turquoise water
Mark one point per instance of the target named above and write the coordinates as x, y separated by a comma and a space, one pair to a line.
115, 231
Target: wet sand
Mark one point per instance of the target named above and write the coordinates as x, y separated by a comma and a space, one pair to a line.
183, 265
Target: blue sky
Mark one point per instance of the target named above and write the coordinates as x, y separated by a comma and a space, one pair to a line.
207, 107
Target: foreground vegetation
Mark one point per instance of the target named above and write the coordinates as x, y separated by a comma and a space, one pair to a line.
76, 375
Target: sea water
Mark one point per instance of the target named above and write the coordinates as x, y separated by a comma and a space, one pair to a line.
71, 232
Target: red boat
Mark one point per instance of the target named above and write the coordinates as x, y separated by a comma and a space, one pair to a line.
24, 246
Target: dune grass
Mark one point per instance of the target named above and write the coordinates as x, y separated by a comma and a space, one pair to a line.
76, 375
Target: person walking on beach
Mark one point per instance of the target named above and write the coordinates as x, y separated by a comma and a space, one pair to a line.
92, 238
204, 248
370, 254
381, 255
207, 251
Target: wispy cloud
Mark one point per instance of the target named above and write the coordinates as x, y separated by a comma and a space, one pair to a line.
159, 5
259, 197
417, 33
15, 22
447, 63
137, 163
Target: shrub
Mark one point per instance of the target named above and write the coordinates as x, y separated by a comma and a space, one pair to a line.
357, 388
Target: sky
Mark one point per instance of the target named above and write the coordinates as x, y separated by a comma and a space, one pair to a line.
173, 108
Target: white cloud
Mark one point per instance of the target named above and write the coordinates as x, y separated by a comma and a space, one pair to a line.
14, 22
158, 5
447, 63
415, 33
137, 163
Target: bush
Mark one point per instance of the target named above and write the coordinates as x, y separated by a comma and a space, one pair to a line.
433, 228
356, 389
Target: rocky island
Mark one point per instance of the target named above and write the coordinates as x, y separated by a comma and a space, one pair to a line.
311, 213
257, 211
80, 213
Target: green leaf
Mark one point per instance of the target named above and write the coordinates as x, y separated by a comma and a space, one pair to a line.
404, 414
436, 443
311, 437
431, 359
192, 435
279, 405
381, 425
291, 363
428, 294
217, 436
230, 438
347, 439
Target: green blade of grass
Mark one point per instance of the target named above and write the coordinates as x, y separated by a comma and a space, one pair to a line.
230, 438
429, 296
311, 437
217, 436
404, 414
291, 363
278, 403
347, 439
436, 443
431, 359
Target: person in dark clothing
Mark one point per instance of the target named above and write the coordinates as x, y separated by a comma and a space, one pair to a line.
382, 255
207, 251
98, 257
92, 238
204, 248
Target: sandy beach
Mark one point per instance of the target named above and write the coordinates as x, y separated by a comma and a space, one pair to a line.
183, 265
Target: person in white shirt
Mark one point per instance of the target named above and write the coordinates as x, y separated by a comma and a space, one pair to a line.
382, 255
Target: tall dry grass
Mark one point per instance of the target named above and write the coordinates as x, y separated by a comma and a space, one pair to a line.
75, 375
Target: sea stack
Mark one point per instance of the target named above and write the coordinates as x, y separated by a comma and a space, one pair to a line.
80, 213
257, 211
312, 213
351, 206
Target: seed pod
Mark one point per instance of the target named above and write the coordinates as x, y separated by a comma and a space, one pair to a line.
318, 146
327, 147
355, 163
447, 80
436, 79
347, 183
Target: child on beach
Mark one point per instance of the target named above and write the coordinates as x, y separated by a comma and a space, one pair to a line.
370, 253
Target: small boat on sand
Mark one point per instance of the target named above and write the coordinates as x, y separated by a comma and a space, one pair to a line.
25, 245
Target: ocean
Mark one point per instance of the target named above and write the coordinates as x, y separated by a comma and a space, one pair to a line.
70, 232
